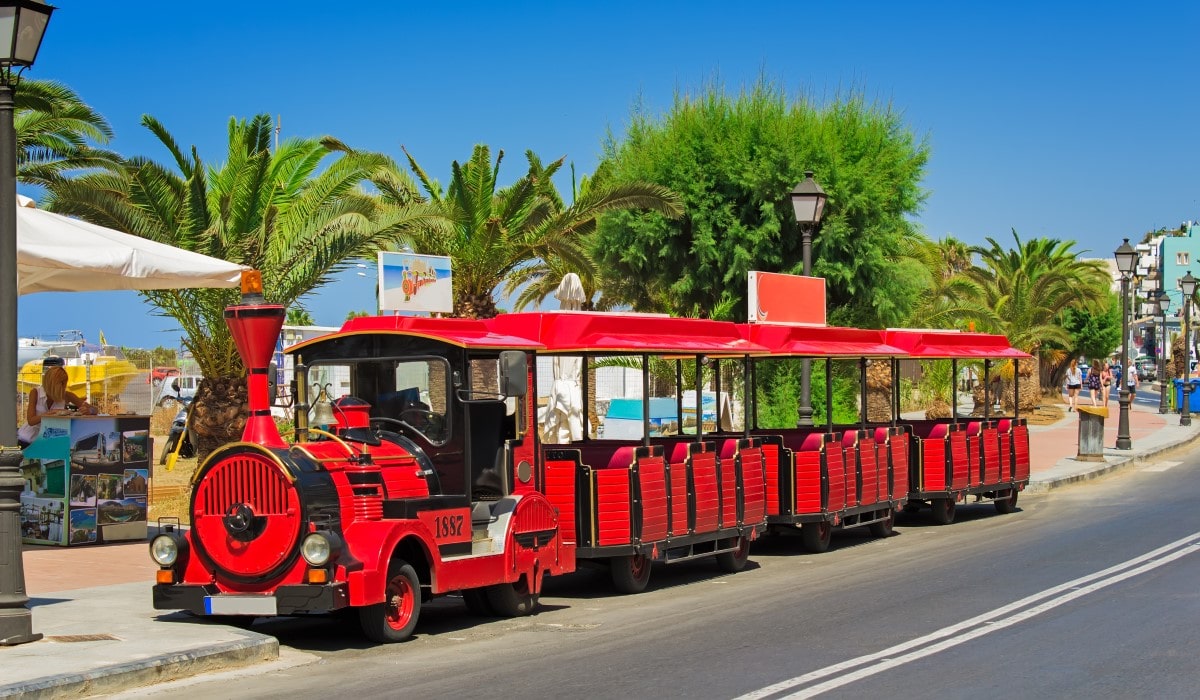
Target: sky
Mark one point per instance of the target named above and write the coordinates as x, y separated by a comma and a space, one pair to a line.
1071, 120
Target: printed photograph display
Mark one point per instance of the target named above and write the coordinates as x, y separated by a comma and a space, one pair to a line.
83, 490
135, 482
134, 446
83, 525
42, 519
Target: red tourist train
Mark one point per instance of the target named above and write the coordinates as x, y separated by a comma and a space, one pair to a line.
430, 470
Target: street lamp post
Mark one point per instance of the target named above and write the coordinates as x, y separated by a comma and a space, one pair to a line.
808, 201
1188, 286
26, 21
1164, 304
1126, 262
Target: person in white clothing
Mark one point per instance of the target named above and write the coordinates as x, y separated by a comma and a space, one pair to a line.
51, 398
1074, 384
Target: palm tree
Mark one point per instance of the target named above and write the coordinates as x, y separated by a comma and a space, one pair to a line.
1023, 291
298, 214
499, 232
297, 316
55, 129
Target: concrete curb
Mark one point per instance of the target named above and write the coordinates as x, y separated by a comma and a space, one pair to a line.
1114, 462
254, 648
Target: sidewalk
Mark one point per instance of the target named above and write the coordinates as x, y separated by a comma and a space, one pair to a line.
102, 635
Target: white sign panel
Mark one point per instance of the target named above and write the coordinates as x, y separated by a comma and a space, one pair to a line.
411, 282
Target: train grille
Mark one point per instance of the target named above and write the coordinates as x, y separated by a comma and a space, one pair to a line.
247, 479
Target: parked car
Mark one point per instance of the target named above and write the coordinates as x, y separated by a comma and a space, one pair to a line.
159, 374
181, 390
1146, 367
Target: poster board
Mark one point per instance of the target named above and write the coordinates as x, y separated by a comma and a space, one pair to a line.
778, 298
412, 282
87, 481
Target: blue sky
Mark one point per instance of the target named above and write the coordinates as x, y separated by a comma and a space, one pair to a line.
1075, 120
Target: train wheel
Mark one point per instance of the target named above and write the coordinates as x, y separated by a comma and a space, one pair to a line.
736, 560
883, 528
511, 599
630, 574
943, 510
1007, 504
477, 602
395, 618
816, 536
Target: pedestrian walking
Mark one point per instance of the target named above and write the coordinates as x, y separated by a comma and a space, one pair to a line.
1074, 384
1106, 378
1093, 383
1131, 378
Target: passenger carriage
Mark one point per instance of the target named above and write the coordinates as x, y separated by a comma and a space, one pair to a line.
832, 476
985, 456
675, 492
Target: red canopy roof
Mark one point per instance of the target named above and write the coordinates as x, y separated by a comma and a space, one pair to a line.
467, 333
820, 341
952, 344
581, 331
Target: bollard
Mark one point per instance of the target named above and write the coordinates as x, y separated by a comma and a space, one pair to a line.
1091, 433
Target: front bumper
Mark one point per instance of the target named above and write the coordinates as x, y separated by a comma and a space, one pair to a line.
286, 600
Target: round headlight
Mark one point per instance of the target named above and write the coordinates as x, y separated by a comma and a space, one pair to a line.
316, 549
164, 550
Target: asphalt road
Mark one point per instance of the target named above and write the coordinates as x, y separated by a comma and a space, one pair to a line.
1057, 600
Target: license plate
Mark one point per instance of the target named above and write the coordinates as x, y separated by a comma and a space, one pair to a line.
240, 605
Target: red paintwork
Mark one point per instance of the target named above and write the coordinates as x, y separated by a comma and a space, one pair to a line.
820, 341
652, 478
255, 329
581, 331
958, 457
952, 344
468, 333
934, 452
835, 463
1020, 437
612, 507
560, 491
991, 455
708, 504
728, 474
679, 490
770, 453
754, 487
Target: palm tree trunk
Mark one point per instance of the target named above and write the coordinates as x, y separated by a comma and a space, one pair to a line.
220, 413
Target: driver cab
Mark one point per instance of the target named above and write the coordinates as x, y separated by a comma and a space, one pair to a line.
459, 420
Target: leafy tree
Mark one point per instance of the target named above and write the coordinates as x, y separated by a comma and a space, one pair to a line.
297, 213
498, 231
358, 314
733, 159
1094, 332
55, 131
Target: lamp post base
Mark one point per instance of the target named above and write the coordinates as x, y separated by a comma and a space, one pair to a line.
16, 622
1123, 440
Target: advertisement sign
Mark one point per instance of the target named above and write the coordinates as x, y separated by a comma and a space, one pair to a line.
779, 298
411, 282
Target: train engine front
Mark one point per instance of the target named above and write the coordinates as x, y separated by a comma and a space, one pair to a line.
266, 518
353, 514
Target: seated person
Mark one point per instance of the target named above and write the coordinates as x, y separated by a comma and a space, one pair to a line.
52, 399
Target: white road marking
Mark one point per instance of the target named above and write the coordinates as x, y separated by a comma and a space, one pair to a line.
977, 626
1161, 466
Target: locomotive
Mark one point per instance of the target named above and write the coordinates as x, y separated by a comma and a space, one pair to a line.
422, 470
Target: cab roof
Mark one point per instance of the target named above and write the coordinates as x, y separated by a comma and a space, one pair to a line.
631, 333
463, 332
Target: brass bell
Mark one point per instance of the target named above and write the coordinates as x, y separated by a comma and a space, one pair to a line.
322, 410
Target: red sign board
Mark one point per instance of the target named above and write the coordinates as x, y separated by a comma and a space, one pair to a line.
779, 298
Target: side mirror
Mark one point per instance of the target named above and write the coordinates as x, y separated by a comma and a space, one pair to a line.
514, 373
